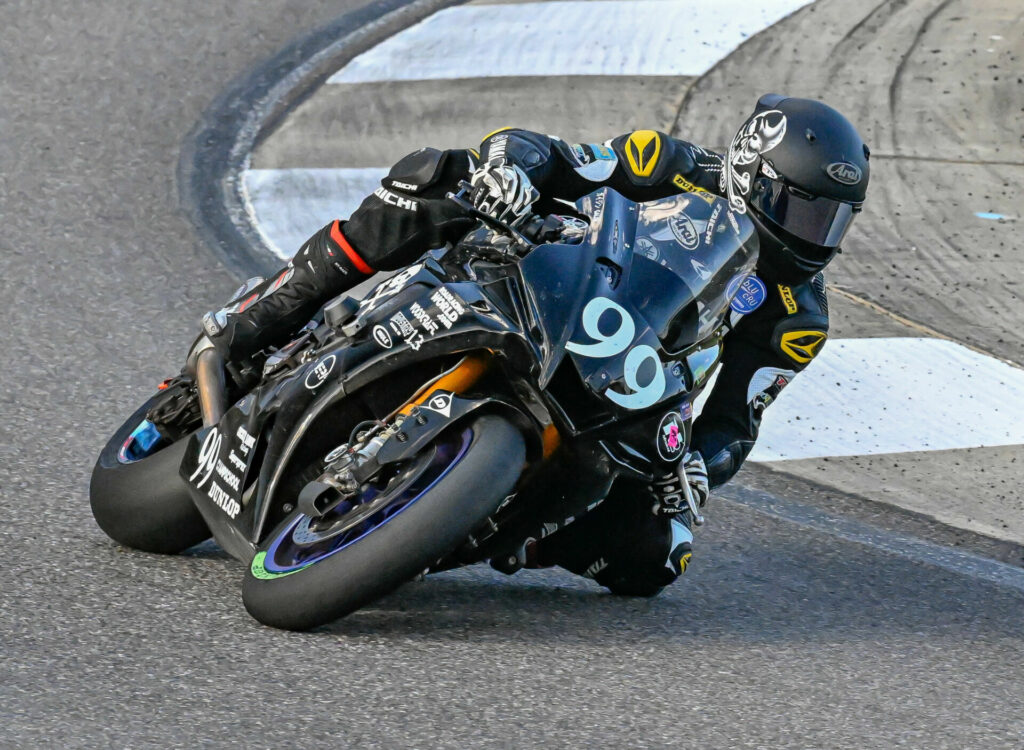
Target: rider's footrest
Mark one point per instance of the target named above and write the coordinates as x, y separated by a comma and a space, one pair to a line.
340, 311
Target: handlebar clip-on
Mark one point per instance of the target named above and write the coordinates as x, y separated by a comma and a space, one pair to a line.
535, 228
521, 243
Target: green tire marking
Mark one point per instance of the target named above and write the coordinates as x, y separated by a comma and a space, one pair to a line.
261, 572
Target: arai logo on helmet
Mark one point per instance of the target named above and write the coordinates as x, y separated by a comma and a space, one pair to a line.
844, 172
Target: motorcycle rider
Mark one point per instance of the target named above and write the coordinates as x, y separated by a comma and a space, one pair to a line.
796, 168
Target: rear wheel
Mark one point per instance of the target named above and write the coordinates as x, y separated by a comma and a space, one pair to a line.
136, 493
311, 571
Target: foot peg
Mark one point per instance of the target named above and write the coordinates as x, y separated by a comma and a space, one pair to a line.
511, 562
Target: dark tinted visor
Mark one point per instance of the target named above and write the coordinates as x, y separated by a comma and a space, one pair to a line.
820, 221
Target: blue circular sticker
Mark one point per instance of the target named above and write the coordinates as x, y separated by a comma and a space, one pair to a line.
749, 296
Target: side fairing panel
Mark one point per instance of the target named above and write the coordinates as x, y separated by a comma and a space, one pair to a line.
416, 319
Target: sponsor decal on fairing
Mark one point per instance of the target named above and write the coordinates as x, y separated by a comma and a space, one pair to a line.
709, 232
450, 307
245, 440
684, 231
423, 318
441, 403
646, 248
671, 436
320, 372
390, 287
382, 337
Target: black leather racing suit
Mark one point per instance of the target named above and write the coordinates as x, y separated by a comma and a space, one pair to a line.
621, 544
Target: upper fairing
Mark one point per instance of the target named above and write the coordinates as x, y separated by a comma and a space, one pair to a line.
693, 239
648, 281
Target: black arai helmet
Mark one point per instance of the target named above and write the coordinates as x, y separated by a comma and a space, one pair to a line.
802, 170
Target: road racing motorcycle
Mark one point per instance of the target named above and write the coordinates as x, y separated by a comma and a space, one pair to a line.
489, 393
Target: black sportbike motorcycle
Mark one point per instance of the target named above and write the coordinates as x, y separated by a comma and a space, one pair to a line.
489, 393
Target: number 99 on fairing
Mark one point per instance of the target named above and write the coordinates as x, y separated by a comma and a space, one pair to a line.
615, 343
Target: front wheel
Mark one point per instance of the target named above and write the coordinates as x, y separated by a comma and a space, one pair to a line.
312, 571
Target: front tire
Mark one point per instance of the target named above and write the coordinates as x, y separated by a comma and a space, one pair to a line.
145, 504
424, 530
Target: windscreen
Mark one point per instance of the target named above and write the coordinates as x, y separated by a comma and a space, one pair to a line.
694, 254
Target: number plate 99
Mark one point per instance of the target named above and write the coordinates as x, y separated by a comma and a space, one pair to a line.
614, 344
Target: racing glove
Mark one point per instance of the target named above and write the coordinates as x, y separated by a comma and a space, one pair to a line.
503, 192
697, 477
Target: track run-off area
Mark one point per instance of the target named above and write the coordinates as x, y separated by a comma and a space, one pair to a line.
818, 612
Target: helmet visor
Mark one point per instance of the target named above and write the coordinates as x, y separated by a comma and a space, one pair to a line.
818, 220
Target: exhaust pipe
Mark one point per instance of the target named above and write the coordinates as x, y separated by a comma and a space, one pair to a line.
212, 386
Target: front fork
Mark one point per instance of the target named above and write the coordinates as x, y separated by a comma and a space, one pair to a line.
349, 466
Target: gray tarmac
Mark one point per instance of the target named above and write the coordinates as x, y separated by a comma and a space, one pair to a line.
375, 124
781, 635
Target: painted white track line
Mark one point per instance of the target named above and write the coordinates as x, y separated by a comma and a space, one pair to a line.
288, 205
867, 396
613, 37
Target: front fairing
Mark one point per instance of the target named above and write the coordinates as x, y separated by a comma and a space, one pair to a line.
637, 305
690, 249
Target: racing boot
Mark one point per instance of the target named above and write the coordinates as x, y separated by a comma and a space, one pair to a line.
265, 313
622, 545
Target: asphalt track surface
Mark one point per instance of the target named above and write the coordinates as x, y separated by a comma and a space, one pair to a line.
780, 635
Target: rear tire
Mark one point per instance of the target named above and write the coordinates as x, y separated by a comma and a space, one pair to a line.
416, 537
145, 504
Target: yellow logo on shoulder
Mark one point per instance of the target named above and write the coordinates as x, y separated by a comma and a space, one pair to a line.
802, 346
642, 150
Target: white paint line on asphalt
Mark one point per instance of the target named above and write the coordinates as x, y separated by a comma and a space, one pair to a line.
868, 396
288, 205
951, 559
612, 37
